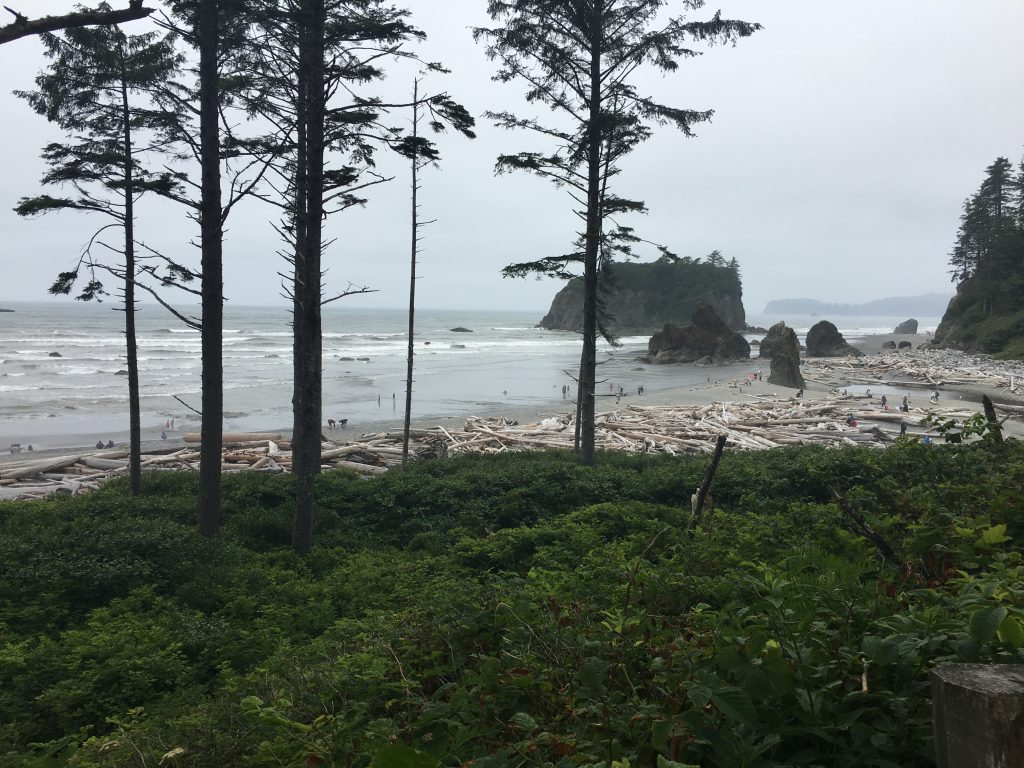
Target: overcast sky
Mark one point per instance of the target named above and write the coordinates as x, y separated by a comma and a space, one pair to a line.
846, 136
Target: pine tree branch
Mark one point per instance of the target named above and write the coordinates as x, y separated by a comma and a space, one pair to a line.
23, 26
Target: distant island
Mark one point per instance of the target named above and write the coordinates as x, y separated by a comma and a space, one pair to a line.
6, 310
927, 304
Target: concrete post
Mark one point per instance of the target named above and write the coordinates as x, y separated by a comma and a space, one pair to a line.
978, 712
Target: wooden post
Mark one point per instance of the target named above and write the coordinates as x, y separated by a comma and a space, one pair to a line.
978, 715
993, 421
700, 497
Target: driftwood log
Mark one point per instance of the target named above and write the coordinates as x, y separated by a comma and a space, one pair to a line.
756, 421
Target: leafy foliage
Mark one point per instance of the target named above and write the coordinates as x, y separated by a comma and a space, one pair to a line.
513, 610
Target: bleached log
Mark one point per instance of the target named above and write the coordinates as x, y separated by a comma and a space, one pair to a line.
97, 463
366, 469
235, 437
50, 465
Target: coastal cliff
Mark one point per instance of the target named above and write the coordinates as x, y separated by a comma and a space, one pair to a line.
985, 316
642, 298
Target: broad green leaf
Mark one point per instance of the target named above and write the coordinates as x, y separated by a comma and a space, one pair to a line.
664, 762
992, 536
401, 756
1010, 631
734, 704
524, 721
985, 623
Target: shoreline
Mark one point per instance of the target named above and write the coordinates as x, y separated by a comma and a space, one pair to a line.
725, 383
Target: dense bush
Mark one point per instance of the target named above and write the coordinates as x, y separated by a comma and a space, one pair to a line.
514, 610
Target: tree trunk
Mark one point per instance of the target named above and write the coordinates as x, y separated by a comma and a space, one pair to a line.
213, 278
131, 344
588, 358
412, 277
308, 350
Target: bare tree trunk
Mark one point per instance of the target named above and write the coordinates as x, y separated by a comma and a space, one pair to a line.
131, 344
308, 350
412, 275
588, 359
213, 278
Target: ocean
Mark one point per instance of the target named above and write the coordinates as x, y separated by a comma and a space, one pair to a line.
505, 362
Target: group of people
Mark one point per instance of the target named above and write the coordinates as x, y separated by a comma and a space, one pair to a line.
100, 445
905, 405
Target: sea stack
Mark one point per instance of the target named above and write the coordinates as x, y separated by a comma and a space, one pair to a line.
772, 340
705, 337
825, 340
785, 370
907, 326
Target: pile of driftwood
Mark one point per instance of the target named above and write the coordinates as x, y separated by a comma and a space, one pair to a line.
765, 422
758, 423
242, 452
921, 367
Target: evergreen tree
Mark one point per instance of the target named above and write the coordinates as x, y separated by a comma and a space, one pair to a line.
989, 239
312, 61
217, 30
579, 57
97, 89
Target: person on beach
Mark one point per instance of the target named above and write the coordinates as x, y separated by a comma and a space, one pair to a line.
935, 396
885, 403
163, 435
906, 404
110, 444
378, 401
99, 445
799, 393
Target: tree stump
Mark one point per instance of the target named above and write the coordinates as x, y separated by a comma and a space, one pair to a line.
978, 712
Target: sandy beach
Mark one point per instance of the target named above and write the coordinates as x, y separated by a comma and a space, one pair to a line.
837, 389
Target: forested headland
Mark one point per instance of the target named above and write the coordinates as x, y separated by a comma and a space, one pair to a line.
458, 613
642, 297
987, 264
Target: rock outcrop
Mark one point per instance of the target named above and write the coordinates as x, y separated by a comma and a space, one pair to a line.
707, 336
460, 329
785, 370
772, 340
907, 326
825, 340
642, 298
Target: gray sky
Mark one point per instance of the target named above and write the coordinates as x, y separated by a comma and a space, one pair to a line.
846, 136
